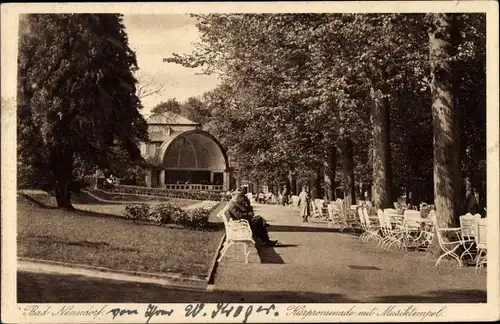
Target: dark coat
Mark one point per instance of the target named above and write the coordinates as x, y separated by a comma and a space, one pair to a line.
239, 208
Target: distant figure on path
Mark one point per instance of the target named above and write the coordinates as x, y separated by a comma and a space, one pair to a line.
284, 194
239, 208
304, 204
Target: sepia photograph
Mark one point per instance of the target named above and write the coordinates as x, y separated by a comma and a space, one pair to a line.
251, 157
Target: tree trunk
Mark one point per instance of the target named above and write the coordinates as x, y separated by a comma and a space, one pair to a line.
329, 180
319, 187
293, 183
381, 151
445, 114
346, 154
63, 170
313, 189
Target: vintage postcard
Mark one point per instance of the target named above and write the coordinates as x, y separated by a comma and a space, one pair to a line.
249, 162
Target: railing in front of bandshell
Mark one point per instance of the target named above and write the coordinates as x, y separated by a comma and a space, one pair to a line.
193, 187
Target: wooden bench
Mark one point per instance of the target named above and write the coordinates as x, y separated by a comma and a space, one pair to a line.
237, 231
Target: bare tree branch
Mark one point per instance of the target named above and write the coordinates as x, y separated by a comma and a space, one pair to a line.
145, 90
145, 94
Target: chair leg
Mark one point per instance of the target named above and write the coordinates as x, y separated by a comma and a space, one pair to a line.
247, 251
478, 260
467, 251
224, 250
452, 254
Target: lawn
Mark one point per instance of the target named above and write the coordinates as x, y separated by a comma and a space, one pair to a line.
74, 237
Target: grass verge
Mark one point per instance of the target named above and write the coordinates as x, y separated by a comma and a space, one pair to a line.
57, 235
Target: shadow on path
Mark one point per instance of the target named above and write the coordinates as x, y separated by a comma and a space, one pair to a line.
305, 228
437, 296
270, 255
55, 288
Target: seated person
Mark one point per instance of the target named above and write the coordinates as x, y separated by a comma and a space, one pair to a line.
239, 208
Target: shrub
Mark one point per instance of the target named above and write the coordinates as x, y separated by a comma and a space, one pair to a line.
195, 216
198, 218
165, 213
137, 211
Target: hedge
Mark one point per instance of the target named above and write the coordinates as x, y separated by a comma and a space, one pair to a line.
166, 213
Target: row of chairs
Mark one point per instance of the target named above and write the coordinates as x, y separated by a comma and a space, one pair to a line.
389, 228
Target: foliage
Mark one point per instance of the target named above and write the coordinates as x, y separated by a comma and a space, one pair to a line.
77, 106
171, 105
294, 84
137, 211
197, 218
195, 109
166, 213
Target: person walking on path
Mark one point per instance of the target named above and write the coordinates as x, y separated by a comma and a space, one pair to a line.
304, 204
284, 193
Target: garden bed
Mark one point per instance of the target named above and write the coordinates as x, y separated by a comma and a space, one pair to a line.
53, 234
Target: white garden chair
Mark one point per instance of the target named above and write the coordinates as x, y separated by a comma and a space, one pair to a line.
450, 244
317, 211
390, 234
295, 201
366, 233
480, 238
237, 231
337, 216
414, 235
468, 231
373, 230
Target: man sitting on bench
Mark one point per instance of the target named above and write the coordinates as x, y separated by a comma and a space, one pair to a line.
239, 208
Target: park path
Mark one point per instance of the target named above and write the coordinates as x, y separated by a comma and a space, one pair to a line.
329, 266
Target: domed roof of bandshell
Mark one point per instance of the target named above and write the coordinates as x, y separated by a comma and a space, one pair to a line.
169, 118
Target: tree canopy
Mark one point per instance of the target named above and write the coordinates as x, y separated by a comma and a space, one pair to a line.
77, 101
295, 86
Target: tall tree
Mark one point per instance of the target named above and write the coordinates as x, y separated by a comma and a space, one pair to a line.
76, 95
447, 177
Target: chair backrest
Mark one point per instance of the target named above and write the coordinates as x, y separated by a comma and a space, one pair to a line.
468, 225
319, 203
361, 216
313, 207
365, 214
389, 213
337, 205
382, 218
481, 230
